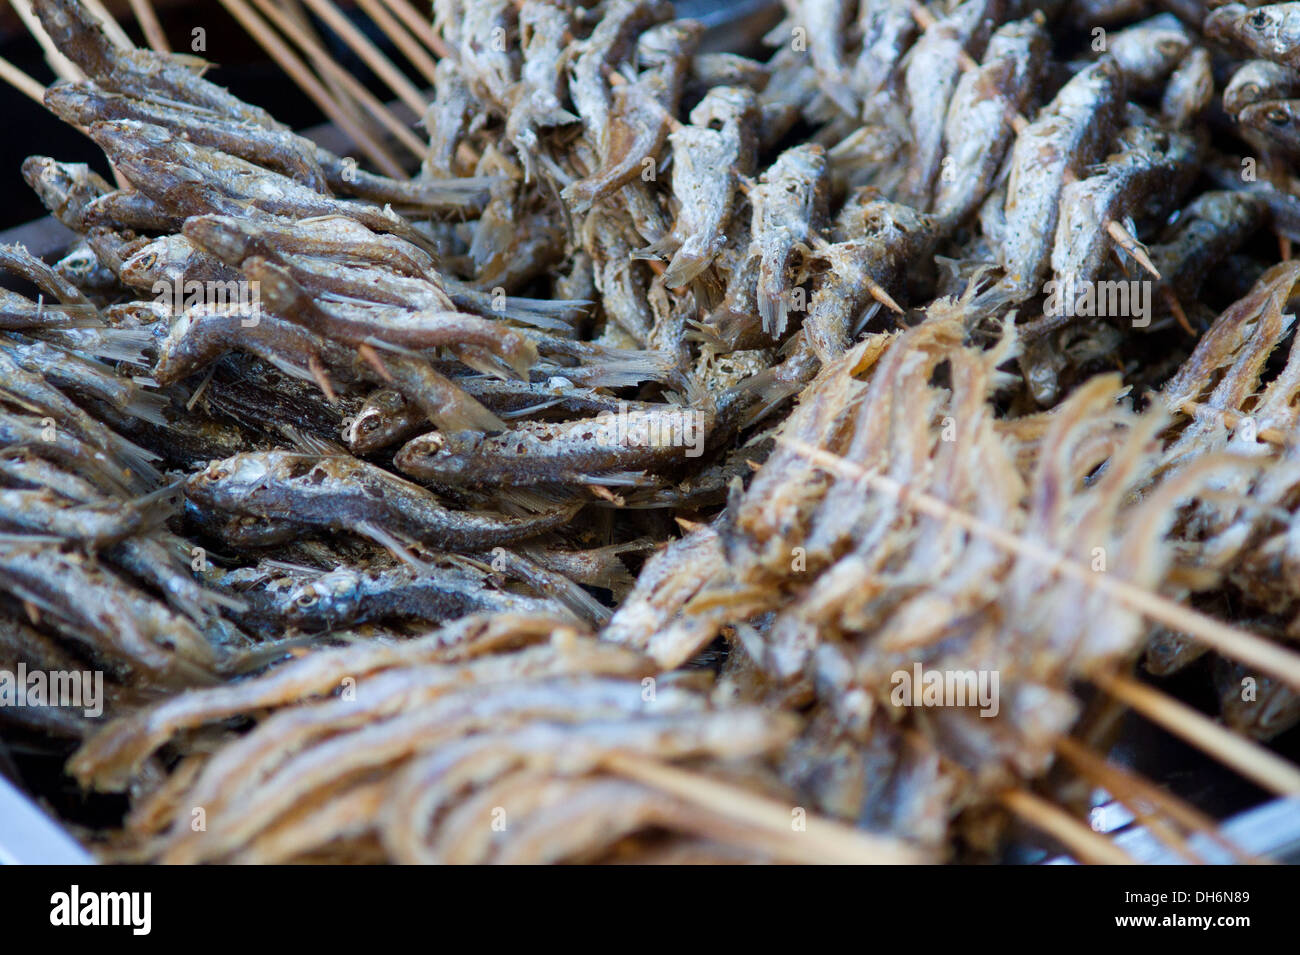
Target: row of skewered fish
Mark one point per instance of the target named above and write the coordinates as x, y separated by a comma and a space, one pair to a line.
679, 401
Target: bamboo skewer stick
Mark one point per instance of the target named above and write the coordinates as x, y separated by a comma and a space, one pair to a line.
308, 83
822, 841
111, 27
420, 26
21, 81
1231, 642
147, 17
1231, 419
63, 68
1087, 846
1146, 811
1248, 758
410, 47
1141, 790
370, 54
293, 11
308, 45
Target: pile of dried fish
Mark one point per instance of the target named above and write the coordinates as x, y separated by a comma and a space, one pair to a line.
583, 497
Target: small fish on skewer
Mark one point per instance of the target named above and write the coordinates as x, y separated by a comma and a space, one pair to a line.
344, 494
1067, 136
706, 164
439, 591
981, 117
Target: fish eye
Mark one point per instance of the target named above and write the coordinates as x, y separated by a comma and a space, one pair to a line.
1259, 20
368, 425
305, 599
433, 442
1277, 116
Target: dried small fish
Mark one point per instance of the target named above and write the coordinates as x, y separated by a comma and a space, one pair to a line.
930, 80
234, 239
277, 149
1143, 180
359, 323
538, 99
1148, 52
436, 592
824, 25
345, 494
789, 206
1190, 90
1068, 135
615, 449
1254, 704
979, 123
887, 28
706, 162
1207, 230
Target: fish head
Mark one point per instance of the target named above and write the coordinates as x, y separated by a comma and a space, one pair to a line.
219, 235
376, 424
81, 262
1264, 29
128, 139
434, 453
73, 103
227, 484
327, 602
1270, 117
279, 290
1256, 81
162, 260
1280, 708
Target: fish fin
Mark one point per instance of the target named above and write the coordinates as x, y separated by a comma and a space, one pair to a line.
116, 344
147, 406
310, 443
616, 479
759, 394
469, 416
156, 506
138, 459
530, 410
655, 251
587, 607
392, 544
525, 501
483, 361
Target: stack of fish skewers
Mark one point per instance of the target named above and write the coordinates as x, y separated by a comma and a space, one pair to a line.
608, 469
